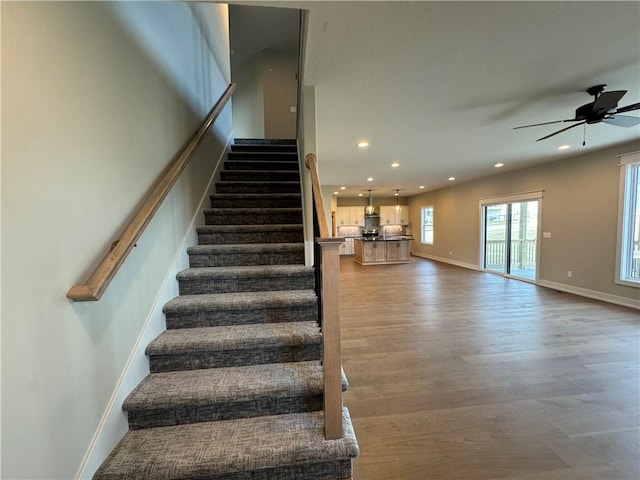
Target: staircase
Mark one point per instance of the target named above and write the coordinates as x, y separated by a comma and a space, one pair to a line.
236, 384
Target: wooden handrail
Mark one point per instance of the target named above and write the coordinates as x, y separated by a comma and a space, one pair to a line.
328, 263
99, 280
311, 162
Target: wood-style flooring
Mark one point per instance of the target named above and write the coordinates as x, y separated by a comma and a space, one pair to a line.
459, 374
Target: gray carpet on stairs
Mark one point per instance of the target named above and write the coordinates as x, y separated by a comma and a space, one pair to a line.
236, 384
249, 448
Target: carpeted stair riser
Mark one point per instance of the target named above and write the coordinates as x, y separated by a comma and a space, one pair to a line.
234, 346
261, 165
286, 142
276, 156
218, 257
234, 358
203, 280
224, 234
280, 200
258, 187
264, 148
188, 311
252, 216
256, 176
210, 395
279, 447
267, 314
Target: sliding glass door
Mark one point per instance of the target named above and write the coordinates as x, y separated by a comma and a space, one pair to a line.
510, 238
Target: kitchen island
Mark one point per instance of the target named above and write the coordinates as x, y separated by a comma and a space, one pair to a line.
377, 251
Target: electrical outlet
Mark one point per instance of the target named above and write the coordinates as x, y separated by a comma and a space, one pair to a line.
451, 253
569, 273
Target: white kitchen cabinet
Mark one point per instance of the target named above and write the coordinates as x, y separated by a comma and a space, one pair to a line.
357, 216
346, 248
353, 216
389, 216
343, 217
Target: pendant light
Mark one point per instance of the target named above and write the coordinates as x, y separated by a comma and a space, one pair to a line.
397, 201
369, 210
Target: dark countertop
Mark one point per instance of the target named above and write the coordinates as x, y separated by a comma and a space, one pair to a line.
380, 238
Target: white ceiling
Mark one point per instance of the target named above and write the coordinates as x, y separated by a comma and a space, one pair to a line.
439, 86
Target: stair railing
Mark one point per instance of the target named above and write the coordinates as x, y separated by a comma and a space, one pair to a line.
99, 280
327, 262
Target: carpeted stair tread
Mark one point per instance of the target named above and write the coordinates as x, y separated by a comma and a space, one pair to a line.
230, 384
226, 255
253, 147
235, 345
259, 271
241, 300
294, 227
234, 337
265, 141
262, 175
252, 216
261, 164
202, 280
253, 210
246, 248
256, 187
268, 446
249, 200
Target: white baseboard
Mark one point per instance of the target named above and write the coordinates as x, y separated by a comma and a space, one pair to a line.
583, 292
457, 263
114, 423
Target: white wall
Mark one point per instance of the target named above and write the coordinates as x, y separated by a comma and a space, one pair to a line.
248, 101
96, 100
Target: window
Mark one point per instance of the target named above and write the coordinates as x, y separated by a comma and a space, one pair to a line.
628, 267
426, 216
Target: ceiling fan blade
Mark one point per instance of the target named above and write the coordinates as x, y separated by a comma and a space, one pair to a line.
628, 108
545, 123
608, 100
560, 131
622, 121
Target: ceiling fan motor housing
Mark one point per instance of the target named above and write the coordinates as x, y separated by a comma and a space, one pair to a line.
589, 114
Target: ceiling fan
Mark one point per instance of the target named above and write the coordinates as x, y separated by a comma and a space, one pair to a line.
602, 109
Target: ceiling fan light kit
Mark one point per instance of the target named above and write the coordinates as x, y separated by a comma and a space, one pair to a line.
604, 108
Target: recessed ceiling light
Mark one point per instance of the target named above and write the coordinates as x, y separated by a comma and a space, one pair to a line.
498, 165
451, 179
363, 144
336, 193
421, 187
343, 188
370, 179
361, 194
395, 164
564, 147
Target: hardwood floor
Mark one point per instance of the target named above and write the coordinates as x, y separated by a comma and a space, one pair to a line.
458, 374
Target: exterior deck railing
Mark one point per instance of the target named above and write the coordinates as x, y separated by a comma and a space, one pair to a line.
523, 253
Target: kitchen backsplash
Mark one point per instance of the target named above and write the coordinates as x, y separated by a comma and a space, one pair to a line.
350, 231
354, 231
